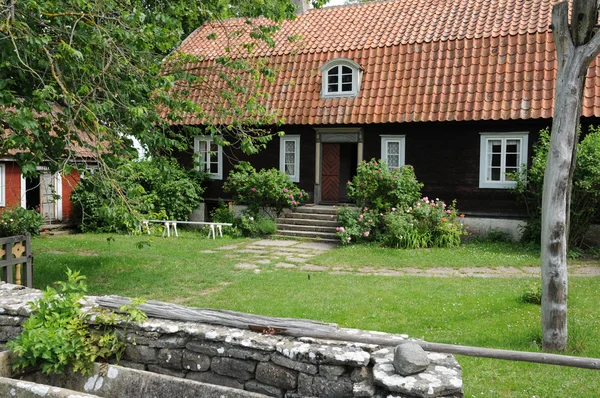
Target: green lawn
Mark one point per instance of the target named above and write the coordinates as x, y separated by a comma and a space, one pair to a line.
469, 311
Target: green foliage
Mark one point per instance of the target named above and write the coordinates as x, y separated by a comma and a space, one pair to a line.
358, 225
379, 188
262, 189
429, 223
391, 212
532, 294
585, 197
157, 189
91, 74
222, 213
58, 333
19, 221
252, 226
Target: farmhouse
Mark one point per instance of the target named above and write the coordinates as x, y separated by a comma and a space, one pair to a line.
459, 89
49, 192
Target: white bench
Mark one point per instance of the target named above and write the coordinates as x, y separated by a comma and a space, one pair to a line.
214, 226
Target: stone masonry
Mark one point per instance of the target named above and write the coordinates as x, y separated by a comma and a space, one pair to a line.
272, 365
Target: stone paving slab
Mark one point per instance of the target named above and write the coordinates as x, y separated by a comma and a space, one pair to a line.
317, 245
285, 265
277, 243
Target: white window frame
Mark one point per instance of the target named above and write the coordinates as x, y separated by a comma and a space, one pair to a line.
296, 139
385, 139
523, 136
2, 185
219, 154
338, 63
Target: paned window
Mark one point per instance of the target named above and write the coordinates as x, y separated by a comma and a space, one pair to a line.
209, 156
341, 78
289, 156
392, 150
500, 155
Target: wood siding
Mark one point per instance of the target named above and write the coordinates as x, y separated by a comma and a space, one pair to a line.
445, 157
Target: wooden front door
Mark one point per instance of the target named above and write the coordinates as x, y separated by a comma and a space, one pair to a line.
330, 188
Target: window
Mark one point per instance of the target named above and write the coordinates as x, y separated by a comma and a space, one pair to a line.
209, 156
392, 150
289, 156
501, 154
2, 186
341, 78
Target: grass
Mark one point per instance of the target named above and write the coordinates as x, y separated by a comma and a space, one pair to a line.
468, 311
474, 254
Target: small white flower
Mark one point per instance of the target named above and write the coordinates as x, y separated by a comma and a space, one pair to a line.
251, 218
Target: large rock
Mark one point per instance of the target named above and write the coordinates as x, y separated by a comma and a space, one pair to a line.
277, 376
195, 361
442, 378
232, 367
410, 358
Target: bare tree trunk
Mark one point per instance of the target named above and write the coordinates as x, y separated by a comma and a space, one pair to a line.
575, 48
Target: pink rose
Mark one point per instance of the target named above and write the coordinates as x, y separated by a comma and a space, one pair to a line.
366, 234
253, 189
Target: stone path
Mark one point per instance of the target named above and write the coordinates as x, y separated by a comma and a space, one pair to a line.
292, 254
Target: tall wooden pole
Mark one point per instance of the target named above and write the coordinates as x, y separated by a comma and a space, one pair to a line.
576, 48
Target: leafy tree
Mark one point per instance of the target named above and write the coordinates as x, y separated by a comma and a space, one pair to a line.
90, 73
585, 196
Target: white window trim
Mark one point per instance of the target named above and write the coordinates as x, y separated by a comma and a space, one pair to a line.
357, 72
296, 138
401, 139
2, 185
484, 137
219, 174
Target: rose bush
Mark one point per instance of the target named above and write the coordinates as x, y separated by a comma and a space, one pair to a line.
263, 189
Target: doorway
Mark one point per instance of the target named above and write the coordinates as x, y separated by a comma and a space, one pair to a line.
339, 162
42, 193
338, 152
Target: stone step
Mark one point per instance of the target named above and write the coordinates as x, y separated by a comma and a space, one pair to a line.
299, 236
308, 221
308, 228
308, 234
319, 209
310, 216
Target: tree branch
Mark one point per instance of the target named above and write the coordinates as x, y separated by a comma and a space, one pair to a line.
560, 28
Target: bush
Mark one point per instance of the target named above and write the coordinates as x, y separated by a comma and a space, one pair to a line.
57, 334
222, 214
262, 189
19, 221
156, 188
392, 212
532, 294
428, 223
359, 225
585, 197
379, 188
253, 226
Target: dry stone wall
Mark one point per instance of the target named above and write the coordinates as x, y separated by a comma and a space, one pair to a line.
272, 365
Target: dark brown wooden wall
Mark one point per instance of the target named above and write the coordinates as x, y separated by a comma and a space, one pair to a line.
445, 157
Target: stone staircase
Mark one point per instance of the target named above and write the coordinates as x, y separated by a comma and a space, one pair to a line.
309, 222
56, 229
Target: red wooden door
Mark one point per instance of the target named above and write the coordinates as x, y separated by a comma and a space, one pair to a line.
330, 185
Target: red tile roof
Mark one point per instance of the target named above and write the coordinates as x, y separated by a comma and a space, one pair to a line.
423, 60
